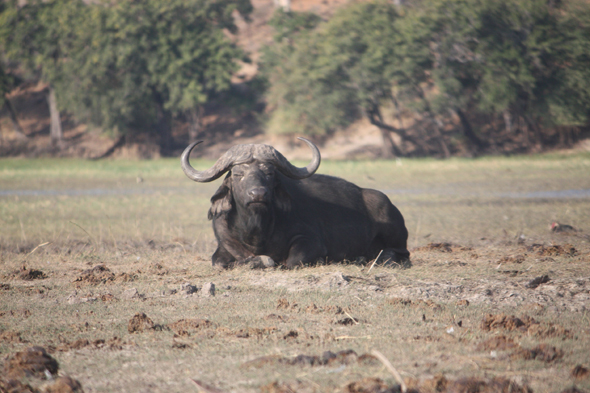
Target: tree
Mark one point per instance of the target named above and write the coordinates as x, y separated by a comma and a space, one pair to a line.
515, 60
28, 35
7, 83
328, 77
153, 60
522, 63
130, 65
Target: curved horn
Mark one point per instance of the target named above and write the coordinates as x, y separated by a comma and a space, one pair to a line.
289, 170
218, 169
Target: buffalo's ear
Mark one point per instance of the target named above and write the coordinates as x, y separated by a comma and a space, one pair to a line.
282, 198
221, 201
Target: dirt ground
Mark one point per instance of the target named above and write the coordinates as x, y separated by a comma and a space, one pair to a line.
507, 316
106, 285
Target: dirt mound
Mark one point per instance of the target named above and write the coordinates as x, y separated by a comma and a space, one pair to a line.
283, 304
34, 361
255, 332
543, 352
31, 274
549, 330
276, 317
404, 302
11, 337
127, 277
368, 385
139, 323
99, 274
573, 389
64, 385
506, 322
114, 343
288, 387
519, 258
526, 325
314, 309
107, 297
443, 247
580, 372
497, 343
23, 274
440, 384
347, 356
158, 269
554, 251
186, 327
15, 386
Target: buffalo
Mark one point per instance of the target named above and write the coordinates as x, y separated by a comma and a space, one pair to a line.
268, 208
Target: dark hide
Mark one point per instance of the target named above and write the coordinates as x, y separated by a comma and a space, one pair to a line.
259, 211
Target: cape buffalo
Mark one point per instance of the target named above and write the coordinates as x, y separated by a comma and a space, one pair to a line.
268, 207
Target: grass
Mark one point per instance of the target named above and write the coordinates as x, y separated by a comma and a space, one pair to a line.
153, 236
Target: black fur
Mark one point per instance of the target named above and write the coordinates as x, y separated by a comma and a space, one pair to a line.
259, 211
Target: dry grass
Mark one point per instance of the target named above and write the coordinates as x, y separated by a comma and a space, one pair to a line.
475, 252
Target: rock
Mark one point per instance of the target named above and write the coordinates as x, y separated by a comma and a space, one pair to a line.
208, 289
337, 279
188, 288
561, 228
130, 294
260, 262
534, 283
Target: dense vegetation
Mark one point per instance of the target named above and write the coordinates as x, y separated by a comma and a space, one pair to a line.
437, 77
126, 65
466, 73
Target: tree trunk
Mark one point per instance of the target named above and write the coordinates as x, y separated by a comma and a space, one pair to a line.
15, 124
472, 138
55, 130
438, 133
435, 122
195, 116
163, 127
389, 149
507, 121
537, 132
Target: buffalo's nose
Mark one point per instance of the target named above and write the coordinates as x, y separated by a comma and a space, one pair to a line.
258, 194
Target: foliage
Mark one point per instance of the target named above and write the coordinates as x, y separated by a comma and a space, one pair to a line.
525, 63
507, 56
325, 78
128, 64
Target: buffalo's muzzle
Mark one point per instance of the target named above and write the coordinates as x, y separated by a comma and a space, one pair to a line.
258, 195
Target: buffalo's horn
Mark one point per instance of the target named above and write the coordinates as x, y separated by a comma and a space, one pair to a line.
289, 170
246, 153
218, 169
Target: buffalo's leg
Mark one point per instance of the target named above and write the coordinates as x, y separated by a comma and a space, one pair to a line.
222, 258
391, 235
394, 257
305, 251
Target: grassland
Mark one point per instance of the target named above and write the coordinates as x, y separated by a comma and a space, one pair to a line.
85, 246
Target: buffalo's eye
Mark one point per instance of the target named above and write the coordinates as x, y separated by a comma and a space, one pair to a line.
238, 174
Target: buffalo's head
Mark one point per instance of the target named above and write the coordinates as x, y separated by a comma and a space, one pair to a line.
252, 181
